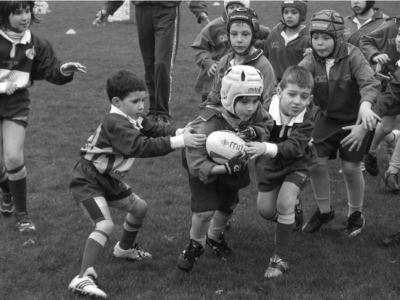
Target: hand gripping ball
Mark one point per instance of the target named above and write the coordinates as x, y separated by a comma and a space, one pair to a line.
222, 145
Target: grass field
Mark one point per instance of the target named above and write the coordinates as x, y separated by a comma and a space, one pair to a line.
325, 265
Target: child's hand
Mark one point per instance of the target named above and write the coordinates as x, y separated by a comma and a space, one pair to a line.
236, 164
11, 87
248, 134
355, 138
211, 71
71, 67
381, 58
255, 149
192, 139
367, 117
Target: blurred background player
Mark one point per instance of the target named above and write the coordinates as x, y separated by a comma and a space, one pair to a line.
215, 187
243, 25
283, 162
379, 47
366, 19
24, 58
97, 180
158, 33
289, 39
345, 88
211, 44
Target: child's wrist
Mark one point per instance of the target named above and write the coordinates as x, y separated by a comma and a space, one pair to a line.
177, 141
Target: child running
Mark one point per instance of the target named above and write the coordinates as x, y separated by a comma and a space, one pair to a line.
345, 90
214, 187
282, 164
107, 156
24, 58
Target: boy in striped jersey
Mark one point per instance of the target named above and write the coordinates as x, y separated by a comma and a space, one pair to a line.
107, 156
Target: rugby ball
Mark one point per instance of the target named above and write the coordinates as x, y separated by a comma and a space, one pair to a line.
222, 145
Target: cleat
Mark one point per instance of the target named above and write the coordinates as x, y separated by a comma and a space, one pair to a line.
276, 267
134, 253
392, 240
355, 224
6, 205
317, 220
86, 286
391, 181
24, 223
298, 216
371, 164
220, 248
190, 255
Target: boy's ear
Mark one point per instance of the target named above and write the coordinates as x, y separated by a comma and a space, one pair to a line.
116, 101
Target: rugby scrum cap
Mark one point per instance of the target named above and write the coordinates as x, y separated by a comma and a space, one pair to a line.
240, 80
329, 22
246, 15
301, 6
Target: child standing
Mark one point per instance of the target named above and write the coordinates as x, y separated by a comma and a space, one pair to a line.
242, 27
211, 44
23, 58
215, 188
289, 39
345, 89
107, 156
282, 163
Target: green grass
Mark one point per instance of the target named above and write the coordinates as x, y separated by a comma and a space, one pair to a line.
324, 265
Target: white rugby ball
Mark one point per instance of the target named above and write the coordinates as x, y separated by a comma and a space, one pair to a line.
222, 145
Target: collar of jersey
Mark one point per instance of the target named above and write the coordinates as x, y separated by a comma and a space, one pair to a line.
26, 38
136, 123
274, 110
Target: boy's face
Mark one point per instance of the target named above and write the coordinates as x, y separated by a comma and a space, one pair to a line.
246, 106
240, 35
322, 43
232, 6
132, 105
398, 40
358, 6
291, 16
294, 99
20, 20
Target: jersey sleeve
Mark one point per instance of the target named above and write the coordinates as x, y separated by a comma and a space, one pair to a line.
131, 142
46, 65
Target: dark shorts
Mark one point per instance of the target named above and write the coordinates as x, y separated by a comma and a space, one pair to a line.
270, 176
330, 146
212, 196
88, 183
15, 109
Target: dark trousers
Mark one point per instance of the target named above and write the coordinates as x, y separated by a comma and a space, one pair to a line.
158, 32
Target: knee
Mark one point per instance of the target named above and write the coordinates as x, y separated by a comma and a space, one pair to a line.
351, 168
105, 226
266, 212
285, 207
13, 160
139, 207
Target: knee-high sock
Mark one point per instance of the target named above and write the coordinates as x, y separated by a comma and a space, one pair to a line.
17, 182
321, 187
200, 224
218, 225
283, 237
355, 186
93, 248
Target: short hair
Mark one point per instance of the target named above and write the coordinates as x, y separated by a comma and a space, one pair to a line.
9, 7
297, 75
123, 82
